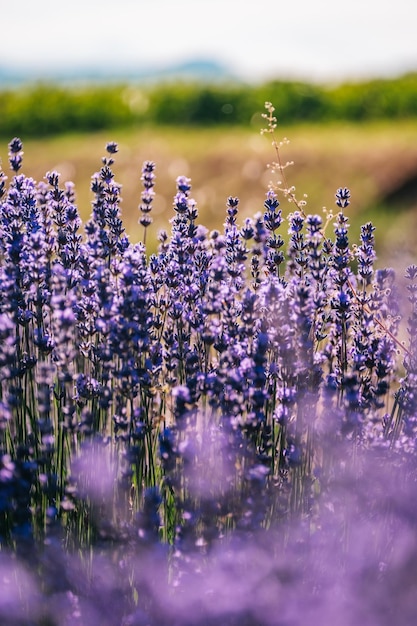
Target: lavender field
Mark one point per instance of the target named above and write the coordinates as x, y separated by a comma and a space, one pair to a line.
218, 433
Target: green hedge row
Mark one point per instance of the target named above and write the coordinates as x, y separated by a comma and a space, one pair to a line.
45, 109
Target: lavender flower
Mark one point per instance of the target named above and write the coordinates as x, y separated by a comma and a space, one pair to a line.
148, 194
343, 197
366, 253
15, 154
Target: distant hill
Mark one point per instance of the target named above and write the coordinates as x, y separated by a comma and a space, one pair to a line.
205, 70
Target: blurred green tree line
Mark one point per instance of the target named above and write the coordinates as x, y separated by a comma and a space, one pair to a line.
45, 109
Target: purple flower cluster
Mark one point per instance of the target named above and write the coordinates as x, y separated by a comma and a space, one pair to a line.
198, 392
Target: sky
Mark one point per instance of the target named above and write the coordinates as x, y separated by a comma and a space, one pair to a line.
255, 39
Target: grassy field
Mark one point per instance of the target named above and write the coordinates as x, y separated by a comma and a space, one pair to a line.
377, 161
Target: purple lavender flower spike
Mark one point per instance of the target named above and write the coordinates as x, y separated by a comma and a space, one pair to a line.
15, 154
343, 197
